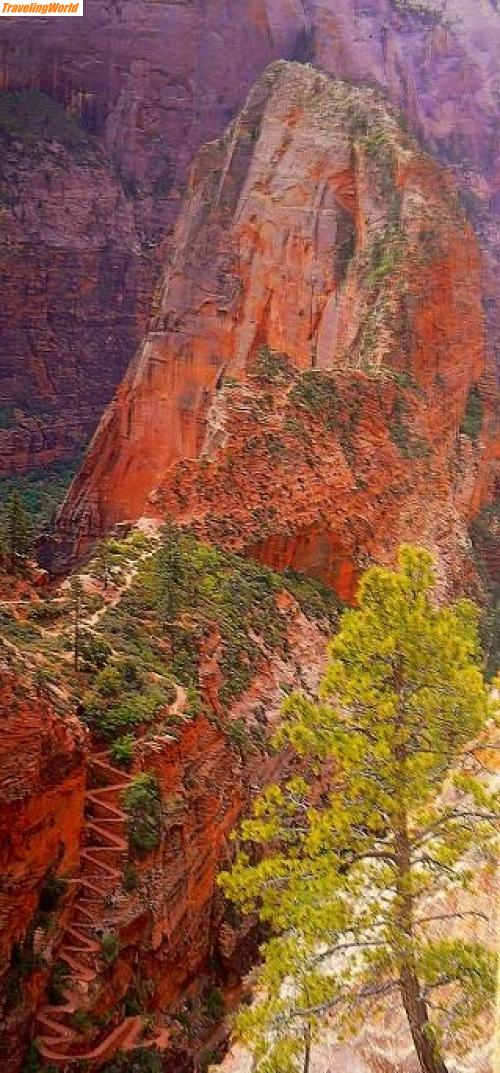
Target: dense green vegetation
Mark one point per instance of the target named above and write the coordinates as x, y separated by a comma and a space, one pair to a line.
123, 698
350, 883
142, 802
472, 422
16, 535
485, 535
181, 594
271, 367
133, 668
408, 443
315, 391
31, 117
41, 490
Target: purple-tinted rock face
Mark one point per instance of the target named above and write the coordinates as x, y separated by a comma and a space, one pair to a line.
442, 69
152, 81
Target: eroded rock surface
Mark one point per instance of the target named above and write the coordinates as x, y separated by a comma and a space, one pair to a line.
315, 229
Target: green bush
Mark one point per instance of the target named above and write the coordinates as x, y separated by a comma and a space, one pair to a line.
32, 117
384, 255
34, 1063
58, 982
239, 736
41, 490
122, 699
142, 802
94, 651
315, 391
213, 1003
122, 750
271, 367
130, 878
472, 422
110, 947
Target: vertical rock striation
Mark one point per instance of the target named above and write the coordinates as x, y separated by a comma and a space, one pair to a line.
316, 229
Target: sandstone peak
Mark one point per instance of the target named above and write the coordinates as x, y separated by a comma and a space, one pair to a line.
316, 227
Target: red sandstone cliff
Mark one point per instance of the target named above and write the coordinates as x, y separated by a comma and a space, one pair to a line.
148, 83
317, 229
42, 779
63, 810
154, 81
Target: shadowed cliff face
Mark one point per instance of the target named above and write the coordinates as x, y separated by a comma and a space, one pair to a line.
75, 283
317, 229
154, 81
41, 807
148, 83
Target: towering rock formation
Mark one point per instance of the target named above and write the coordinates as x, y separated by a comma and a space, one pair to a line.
146, 84
152, 82
316, 229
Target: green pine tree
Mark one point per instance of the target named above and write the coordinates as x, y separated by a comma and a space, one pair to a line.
76, 601
170, 571
16, 532
392, 814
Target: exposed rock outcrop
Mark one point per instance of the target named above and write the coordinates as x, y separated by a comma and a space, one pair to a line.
152, 82
140, 926
42, 781
316, 228
149, 82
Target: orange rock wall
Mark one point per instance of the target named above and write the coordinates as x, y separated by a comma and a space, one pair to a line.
318, 228
42, 783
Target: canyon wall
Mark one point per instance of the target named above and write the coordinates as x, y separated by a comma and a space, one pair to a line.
315, 229
108, 939
75, 284
41, 816
150, 83
95, 154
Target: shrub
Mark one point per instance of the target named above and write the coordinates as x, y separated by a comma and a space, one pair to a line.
130, 878
110, 947
271, 367
472, 422
142, 801
239, 736
51, 893
58, 982
33, 1063
122, 699
94, 651
122, 750
213, 1004
315, 391
32, 117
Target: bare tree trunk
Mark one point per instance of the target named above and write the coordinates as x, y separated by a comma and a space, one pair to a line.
429, 1058
416, 1011
307, 1053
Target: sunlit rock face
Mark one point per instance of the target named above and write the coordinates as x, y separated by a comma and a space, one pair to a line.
152, 82
316, 229
148, 83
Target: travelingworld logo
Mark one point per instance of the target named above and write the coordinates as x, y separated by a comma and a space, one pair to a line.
9, 9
